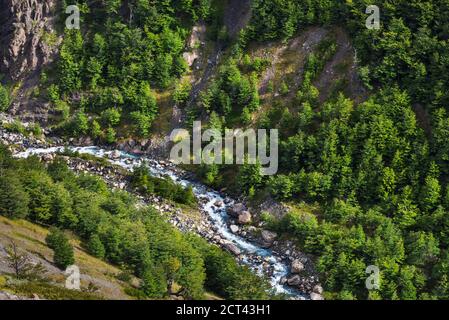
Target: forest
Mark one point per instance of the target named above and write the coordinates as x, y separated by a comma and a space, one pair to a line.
368, 178
378, 169
113, 227
109, 73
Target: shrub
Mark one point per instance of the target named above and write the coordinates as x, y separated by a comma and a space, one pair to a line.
96, 247
110, 117
4, 98
62, 249
36, 129
110, 135
182, 92
13, 199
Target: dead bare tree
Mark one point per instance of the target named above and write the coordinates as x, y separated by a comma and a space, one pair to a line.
21, 264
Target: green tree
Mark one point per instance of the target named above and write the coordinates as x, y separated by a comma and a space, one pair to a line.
284, 89
61, 207
4, 99
13, 199
182, 92
142, 123
95, 130
96, 247
110, 135
59, 170
94, 72
423, 248
249, 177
80, 123
110, 117
281, 187
53, 93
210, 174
246, 116
154, 283
430, 195
68, 65
62, 249
407, 289
39, 187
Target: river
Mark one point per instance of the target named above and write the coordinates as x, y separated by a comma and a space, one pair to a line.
251, 254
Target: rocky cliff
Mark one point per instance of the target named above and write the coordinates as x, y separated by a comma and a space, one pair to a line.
25, 36
28, 43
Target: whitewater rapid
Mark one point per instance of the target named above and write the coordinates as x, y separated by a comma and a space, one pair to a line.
217, 215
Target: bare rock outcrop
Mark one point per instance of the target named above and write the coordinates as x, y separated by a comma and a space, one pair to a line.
25, 36
28, 43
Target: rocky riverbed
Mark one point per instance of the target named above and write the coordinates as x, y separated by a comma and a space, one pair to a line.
222, 221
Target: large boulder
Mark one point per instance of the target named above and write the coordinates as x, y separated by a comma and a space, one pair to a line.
234, 228
268, 236
316, 296
47, 157
318, 289
297, 266
245, 217
233, 249
294, 281
115, 155
236, 210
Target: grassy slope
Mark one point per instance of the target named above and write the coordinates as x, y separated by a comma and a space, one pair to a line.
31, 238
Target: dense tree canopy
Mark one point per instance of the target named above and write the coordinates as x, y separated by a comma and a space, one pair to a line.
113, 227
377, 169
368, 180
123, 52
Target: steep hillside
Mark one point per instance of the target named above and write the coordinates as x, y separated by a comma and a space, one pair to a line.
29, 44
143, 233
362, 115
99, 280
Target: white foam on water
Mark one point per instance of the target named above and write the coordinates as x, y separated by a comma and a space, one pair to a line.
217, 215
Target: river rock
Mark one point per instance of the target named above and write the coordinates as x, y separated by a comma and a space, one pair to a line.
143, 142
268, 236
294, 281
218, 203
234, 228
318, 289
48, 157
245, 217
136, 150
131, 143
316, 296
236, 210
85, 141
297, 266
114, 155
233, 248
283, 281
